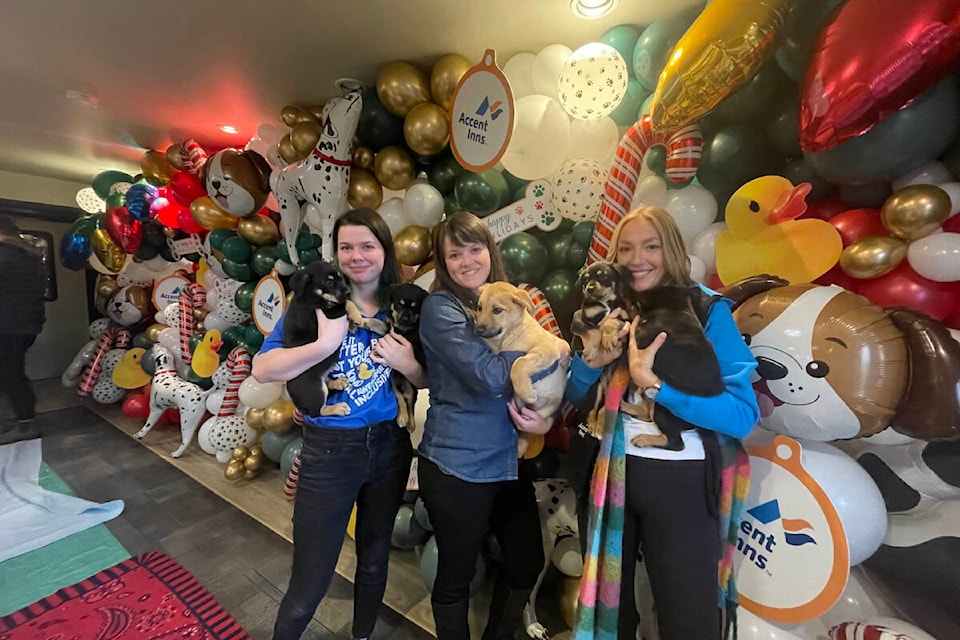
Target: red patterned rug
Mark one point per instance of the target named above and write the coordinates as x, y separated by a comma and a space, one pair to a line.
149, 597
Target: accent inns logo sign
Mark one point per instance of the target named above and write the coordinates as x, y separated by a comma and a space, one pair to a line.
481, 115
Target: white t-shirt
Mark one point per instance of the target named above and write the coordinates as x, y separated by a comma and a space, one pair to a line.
692, 444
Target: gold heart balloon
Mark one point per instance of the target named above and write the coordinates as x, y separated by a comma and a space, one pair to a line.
413, 245
426, 129
209, 215
258, 230
444, 78
156, 168
108, 253
394, 168
915, 211
872, 256
364, 190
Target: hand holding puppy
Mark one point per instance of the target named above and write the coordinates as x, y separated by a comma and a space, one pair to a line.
598, 348
641, 360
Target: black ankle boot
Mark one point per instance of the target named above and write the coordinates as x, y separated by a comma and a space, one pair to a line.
506, 612
451, 620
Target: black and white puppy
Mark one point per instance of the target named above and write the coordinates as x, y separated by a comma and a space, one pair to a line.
686, 361
317, 286
404, 303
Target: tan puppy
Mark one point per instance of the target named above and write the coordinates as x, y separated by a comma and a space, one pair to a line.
505, 321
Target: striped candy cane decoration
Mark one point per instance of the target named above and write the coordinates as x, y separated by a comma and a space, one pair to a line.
238, 365
683, 158
290, 484
113, 337
860, 631
192, 297
192, 155
542, 310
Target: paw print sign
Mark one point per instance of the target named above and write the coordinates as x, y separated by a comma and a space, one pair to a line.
535, 209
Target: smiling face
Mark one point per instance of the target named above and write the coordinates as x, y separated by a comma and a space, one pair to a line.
639, 250
468, 265
360, 255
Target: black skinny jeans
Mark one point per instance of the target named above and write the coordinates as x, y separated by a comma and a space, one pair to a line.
463, 512
14, 384
338, 467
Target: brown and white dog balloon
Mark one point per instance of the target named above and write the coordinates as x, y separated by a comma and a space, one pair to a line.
834, 366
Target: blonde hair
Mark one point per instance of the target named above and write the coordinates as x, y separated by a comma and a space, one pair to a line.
676, 262
461, 229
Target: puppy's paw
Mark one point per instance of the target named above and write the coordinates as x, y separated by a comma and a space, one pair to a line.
648, 440
595, 422
338, 409
357, 320
610, 338
339, 383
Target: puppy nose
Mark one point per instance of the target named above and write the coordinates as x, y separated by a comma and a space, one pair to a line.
215, 183
770, 369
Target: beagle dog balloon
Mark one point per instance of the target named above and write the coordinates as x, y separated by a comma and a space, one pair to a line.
834, 366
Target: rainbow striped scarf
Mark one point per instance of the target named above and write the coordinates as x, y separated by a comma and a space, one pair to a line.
600, 585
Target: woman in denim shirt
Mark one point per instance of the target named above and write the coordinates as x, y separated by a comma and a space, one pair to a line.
468, 455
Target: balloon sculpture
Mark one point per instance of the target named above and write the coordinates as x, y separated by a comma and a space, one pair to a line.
322, 178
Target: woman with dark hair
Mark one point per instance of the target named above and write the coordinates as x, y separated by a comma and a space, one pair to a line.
362, 457
469, 478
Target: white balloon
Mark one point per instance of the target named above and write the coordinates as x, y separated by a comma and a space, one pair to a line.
651, 191
310, 213
930, 173
256, 394
423, 204
860, 599
704, 245
594, 139
953, 190
698, 271
578, 189
753, 627
284, 268
214, 321
541, 138
223, 457
566, 556
546, 68
203, 436
519, 72
693, 208
593, 81
936, 257
214, 400
393, 214
170, 338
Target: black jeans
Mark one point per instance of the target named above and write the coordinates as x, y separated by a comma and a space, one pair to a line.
463, 512
14, 384
338, 467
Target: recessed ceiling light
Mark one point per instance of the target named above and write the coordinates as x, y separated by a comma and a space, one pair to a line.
592, 8
226, 128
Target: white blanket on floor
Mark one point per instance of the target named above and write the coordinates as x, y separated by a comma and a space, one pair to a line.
31, 516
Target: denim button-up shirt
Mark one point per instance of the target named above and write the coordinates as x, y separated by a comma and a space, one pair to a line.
468, 432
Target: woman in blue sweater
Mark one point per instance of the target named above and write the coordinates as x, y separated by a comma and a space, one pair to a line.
670, 510
468, 466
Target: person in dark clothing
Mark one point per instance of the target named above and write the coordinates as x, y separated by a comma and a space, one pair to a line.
22, 282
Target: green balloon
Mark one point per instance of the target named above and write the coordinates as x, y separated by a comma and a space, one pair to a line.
243, 297
305, 240
203, 383
451, 204
559, 287
782, 126
316, 239
656, 159
623, 38
902, 142
115, 200
645, 107
805, 22
105, 179
443, 174
524, 258
480, 193
626, 112
871, 196
576, 256
655, 44
274, 443
146, 251
195, 340
732, 157
797, 171
378, 128
237, 270
263, 260
253, 337
289, 454
583, 232
308, 256
755, 99
236, 249
282, 252
557, 244
218, 236
514, 183
147, 362
951, 157
140, 340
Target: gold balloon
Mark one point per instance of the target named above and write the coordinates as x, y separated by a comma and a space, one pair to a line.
174, 157
394, 168
413, 245
316, 110
209, 215
278, 416
254, 418
363, 157
199, 326
258, 230
234, 470
290, 114
155, 168
401, 87
364, 190
289, 152
250, 474
444, 78
872, 256
199, 314
915, 211
107, 251
305, 135
567, 598
252, 463
427, 129
105, 287
152, 333
239, 453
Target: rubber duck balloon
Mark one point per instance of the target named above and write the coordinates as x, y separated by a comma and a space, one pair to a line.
205, 359
763, 236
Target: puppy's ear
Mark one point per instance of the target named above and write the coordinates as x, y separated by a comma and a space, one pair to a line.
205, 171
261, 168
622, 272
522, 298
299, 281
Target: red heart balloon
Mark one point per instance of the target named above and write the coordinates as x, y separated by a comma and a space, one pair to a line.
186, 187
123, 229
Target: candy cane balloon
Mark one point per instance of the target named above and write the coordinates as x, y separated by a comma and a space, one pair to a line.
238, 368
683, 158
114, 337
542, 311
227, 430
290, 484
192, 297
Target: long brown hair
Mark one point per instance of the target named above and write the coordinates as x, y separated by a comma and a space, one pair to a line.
676, 262
462, 229
371, 220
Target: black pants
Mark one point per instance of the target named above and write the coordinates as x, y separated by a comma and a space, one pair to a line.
463, 512
14, 384
338, 467
667, 515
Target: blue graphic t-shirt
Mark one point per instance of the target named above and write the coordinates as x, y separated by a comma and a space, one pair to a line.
368, 394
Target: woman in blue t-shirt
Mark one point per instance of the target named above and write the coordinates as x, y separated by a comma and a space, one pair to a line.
362, 457
468, 469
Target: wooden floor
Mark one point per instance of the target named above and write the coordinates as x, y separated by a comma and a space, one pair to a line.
233, 536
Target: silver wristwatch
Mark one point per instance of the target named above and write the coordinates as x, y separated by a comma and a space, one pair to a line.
652, 391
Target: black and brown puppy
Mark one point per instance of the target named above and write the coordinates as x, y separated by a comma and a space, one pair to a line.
604, 288
317, 286
686, 361
404, 303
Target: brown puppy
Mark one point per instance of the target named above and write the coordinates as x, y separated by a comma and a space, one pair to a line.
505, 322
